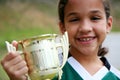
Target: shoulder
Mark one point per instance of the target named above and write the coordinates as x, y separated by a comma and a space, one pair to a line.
115, 71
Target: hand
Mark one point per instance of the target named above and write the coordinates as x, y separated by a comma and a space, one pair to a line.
14, 65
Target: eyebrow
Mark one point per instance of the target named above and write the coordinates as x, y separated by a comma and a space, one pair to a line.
96, 11
92, 11
72, 13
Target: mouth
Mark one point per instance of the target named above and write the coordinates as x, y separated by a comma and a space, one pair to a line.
85, 39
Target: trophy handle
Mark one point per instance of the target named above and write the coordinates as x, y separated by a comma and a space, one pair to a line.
65, 44
11, 48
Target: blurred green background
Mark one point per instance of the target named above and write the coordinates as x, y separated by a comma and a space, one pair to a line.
20, 19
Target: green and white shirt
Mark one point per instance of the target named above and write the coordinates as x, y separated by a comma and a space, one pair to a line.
73, 70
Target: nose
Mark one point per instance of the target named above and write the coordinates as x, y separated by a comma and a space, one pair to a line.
85, 26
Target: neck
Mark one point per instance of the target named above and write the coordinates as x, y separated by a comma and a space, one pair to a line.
91, 63
81, 57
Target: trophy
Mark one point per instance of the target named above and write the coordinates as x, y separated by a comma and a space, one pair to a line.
45, 55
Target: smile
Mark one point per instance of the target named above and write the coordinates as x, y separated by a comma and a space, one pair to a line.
87, 39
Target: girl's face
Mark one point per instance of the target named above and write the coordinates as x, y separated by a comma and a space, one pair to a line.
86, 24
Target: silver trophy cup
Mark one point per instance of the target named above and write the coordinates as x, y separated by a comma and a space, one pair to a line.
45, 55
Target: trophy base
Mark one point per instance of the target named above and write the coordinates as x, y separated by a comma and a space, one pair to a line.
44, 75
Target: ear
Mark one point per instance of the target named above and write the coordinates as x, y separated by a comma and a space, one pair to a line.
62, 27
109, 24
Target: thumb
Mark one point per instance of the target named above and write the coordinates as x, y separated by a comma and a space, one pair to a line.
15, 44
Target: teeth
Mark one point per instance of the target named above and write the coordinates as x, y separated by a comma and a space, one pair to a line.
85, 39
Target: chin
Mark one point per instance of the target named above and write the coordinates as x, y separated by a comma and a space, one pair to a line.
88, 51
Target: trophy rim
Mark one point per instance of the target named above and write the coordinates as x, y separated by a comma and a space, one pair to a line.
39, 38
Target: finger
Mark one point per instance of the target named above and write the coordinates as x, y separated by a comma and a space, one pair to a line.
24, 77
15, 60
23, 70
21, 73
18, 71
10, 56
20, 65
15, 43
8, 62
18, 75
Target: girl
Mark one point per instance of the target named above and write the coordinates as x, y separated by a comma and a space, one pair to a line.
87, 23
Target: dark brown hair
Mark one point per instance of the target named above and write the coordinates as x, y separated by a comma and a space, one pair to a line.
61, 7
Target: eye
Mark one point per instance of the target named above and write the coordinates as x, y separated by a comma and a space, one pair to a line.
94, 18
74, 20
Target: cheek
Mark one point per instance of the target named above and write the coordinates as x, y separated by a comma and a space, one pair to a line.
101, 31
71, 32
71, 28
101, 28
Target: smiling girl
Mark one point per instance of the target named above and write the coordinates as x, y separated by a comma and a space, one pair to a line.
87, 22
